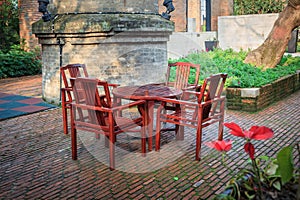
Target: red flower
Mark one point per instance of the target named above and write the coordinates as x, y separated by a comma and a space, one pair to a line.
255, 132
220, 145
249, 149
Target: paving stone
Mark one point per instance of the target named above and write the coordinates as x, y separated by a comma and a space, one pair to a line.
35, 159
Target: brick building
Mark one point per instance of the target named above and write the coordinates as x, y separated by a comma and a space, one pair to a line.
28, 14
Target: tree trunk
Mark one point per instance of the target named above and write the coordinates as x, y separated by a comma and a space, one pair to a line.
271, 51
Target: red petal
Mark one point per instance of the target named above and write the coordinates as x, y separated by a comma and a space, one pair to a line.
235, 129
210, 144
227, 145
220, 145
262, 133
254, 128
249, 149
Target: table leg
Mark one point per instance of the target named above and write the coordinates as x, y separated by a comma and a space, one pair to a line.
150, 107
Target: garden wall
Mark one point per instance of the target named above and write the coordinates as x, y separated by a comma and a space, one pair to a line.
255, 99
244, 31
236, 32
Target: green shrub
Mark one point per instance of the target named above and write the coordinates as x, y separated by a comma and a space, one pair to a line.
239, 74
9, 24
246, 7
18, 62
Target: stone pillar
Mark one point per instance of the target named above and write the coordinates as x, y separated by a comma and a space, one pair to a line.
120, 41
194, 15
28, 10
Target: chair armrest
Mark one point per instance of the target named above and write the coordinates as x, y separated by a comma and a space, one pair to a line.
103, 109
66, 89
113, 85
222, 98
176, 101
129, 105
190, 103
192, 87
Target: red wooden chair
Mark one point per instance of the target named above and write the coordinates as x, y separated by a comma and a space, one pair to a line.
183, 71
68, 72
99, 115
207, 110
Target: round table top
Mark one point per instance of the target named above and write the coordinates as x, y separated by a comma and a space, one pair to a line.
146, 92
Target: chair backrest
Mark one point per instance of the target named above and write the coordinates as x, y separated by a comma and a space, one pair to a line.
211, 89
179, 78
72, 71
86, 93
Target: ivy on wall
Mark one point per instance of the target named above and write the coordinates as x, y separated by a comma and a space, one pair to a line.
246, 7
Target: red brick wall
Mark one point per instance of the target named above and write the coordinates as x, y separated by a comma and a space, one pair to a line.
220, 8
268, 94
28, 15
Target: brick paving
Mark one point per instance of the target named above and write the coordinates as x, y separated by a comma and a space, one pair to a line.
35, 157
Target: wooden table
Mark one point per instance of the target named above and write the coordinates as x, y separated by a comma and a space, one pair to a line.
150, 93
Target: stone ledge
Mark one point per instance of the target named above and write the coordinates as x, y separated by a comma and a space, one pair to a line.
255, 99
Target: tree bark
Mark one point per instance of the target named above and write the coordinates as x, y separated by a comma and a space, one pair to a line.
271, 51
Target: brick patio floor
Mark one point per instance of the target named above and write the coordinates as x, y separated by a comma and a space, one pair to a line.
35, 156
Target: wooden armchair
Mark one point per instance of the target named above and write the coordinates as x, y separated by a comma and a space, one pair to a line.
207, 110
67, 73
96, 113
184, 71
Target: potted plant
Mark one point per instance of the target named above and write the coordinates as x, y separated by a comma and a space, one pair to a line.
211, 44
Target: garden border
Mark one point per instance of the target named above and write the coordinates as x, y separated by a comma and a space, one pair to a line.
255, 99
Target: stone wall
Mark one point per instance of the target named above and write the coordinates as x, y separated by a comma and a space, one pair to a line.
244, 31
255, 99
182, 44
145, 6
121, 59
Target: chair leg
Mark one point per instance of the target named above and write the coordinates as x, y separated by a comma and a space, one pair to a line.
198, 142
73, 138
221, 122
65, 118
220, 134
112, 140
157, 135
179, 132
112, 154
143, 140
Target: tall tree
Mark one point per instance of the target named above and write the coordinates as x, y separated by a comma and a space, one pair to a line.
9, 24
271, 51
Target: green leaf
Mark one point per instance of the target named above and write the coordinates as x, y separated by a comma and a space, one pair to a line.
272, 168
285, 163
265, 158
249, 196
277, 185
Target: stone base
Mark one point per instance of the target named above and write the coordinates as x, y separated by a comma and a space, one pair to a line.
126, 49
